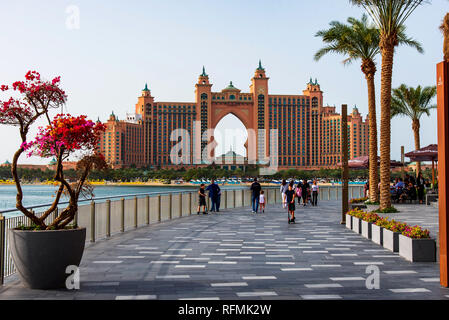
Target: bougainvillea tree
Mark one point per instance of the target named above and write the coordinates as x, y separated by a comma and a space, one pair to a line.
63, 136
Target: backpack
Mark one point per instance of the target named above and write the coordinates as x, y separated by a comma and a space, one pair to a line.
298, 192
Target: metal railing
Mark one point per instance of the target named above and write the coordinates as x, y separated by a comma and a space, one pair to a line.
106, 216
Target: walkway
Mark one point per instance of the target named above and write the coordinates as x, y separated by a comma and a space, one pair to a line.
237, 255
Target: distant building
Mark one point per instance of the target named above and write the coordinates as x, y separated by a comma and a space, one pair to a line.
308, 132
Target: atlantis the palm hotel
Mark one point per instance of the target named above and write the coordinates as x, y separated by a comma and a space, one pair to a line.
308, 133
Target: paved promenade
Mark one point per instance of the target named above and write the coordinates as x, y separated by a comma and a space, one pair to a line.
238, 255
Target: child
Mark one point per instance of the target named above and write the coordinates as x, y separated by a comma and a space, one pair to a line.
290, 195
262, 201
202, 199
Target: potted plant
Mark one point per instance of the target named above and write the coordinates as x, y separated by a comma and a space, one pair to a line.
391, 233
42, 251
415, 245
358, 203
348, 221
357, 215
367, 222
377, 230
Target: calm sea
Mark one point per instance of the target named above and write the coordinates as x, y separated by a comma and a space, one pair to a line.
37, 194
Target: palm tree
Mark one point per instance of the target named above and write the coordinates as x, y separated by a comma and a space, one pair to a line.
359, 40
413, 103
390, 17
445, 29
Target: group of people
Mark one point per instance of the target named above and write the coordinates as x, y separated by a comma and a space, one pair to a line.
289, 191
405, 189
303, 191
214, 195
409, 189
257, 197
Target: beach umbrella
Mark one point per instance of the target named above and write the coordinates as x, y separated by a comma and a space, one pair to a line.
429, 153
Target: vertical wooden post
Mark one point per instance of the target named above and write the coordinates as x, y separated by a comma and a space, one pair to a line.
92, 221
122, 215
2, 249
108, 218
345, 157
243, 197
234, 193
443, 170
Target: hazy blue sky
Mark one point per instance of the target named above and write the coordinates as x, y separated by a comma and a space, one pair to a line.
121, 45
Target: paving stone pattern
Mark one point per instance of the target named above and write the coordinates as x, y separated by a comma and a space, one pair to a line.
237, 255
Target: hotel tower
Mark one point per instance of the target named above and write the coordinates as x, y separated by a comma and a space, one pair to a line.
304, 132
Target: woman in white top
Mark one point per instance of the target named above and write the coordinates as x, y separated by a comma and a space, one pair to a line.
284, 188
315, 189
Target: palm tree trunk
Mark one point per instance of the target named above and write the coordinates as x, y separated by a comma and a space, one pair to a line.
445, 29
373, 173
387, 48
416, 126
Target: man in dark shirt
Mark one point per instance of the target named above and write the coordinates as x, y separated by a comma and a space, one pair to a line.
305, 192
255, 188
214, 193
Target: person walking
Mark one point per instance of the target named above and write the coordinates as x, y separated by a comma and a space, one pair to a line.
284, 188
202, 199
290, 196
420, 183
305, 192
262, 201
255, 195
315, 190
298, 191
214, 191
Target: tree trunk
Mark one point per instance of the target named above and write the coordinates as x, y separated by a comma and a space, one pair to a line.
387, 48
445, 29
416, 126
373, 174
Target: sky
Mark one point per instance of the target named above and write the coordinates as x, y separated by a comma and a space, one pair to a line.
107, 55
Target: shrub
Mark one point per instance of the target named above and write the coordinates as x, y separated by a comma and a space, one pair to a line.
387, 210
358, 213
358, 200
371, 217
416, 232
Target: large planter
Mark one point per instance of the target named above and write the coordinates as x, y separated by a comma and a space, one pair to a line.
417, 250
391, 240
41, 257
356, 225
377, 234
366, 229
349, 221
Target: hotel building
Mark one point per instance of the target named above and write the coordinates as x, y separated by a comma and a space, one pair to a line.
308, 133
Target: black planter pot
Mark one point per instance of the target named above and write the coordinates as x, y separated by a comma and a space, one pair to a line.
41, 257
